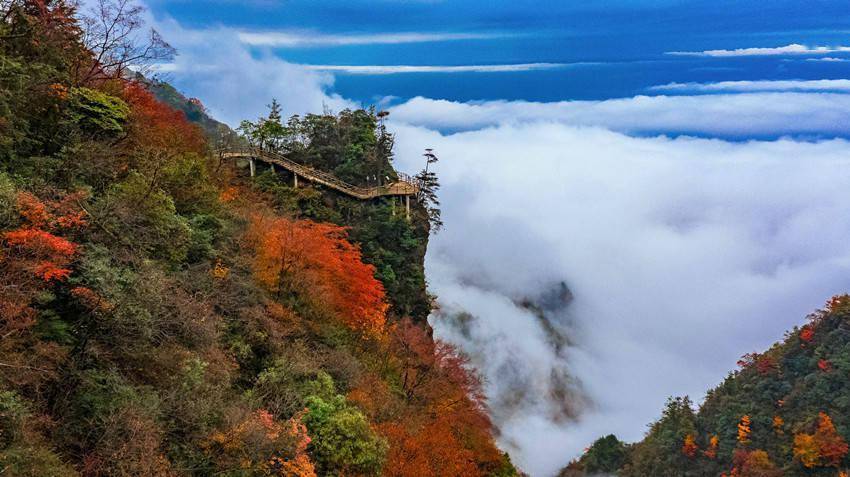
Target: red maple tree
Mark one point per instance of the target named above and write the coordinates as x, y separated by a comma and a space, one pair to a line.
157, 134
33, 256
294, 256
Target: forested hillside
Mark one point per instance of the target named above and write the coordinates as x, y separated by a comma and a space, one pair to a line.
786, 412
162, 313
217, 133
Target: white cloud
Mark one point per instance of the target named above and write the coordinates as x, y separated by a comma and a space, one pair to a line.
293, 39
161, 68
236, 84
683, 254
792, 49
734, 115
758, 86
829, 59
398, 69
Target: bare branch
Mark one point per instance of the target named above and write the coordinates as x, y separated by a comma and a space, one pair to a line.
114, 32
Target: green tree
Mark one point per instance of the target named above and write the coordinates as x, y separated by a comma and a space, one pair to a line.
428, 187
343, 442
96, 113
660, 453
606, 455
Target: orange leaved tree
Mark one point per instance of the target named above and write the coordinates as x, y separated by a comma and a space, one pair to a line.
744, 430
689, 447
316, 261
824, 448
433, 449
259, 444
754, 463
446, 430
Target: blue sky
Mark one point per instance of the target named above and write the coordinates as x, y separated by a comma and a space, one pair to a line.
681, 166
621, 46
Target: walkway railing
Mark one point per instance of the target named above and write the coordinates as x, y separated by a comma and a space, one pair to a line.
405, 186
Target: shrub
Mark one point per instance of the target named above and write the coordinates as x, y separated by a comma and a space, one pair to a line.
343, 442
147, 219
13, 411
8, 201
283, 386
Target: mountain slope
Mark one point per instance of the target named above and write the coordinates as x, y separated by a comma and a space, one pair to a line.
785, 412
216, 131
162, 313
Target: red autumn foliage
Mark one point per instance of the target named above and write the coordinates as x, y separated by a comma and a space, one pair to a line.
32, 256
432, 368
32, 210
807, 334
446, 430
306, 256
766, 364
434, 449
41, 253
53, 13
763, 364
824, 365
229, 195
64, 214
157, 128
748, 360
832, 446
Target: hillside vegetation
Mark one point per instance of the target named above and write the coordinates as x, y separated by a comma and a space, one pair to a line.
786, 412
163, 314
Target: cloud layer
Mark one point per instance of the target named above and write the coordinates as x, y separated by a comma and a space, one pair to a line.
682, 254
294, 39
768, 114
792, 49
399, 69
842, 85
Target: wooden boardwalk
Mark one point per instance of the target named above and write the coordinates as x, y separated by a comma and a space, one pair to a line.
405, 186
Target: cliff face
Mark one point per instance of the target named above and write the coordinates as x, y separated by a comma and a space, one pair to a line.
785, 412
162, 313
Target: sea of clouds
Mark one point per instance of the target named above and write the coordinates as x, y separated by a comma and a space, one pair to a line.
681, 254
682, 241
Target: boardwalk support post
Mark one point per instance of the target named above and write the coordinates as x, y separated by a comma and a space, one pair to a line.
295, 180
407, 206
252, 166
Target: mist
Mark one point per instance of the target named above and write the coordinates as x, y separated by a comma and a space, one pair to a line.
679, 256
